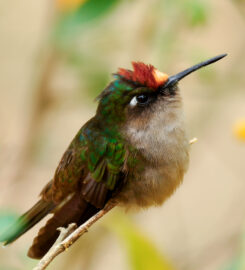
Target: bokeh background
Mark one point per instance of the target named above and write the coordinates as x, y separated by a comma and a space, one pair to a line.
56, 56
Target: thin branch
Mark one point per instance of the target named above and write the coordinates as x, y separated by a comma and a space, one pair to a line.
192, 141
69, 236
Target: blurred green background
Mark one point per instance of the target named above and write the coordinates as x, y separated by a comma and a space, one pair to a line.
56, 56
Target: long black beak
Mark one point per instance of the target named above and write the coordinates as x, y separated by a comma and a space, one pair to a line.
175, 78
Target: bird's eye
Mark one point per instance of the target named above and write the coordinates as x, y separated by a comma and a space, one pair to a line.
140, 100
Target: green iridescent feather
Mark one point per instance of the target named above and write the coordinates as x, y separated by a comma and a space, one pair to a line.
104, 161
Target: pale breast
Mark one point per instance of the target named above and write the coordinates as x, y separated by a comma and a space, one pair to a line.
165, 149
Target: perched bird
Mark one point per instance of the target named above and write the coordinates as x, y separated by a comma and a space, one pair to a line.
133, 151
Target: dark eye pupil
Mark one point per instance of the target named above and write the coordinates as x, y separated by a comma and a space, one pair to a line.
142, 99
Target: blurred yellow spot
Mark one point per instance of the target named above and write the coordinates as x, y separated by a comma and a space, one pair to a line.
239, 129
68, 5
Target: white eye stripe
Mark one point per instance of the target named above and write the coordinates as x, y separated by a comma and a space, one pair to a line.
133, 102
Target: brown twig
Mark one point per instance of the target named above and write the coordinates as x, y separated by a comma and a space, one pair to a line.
69, 236
192, 141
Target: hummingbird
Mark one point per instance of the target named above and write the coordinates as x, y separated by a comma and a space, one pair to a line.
134, 152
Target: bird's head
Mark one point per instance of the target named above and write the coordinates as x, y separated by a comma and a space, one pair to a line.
139, 96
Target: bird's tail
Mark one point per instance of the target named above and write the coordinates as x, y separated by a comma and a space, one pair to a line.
27, 221
75, 210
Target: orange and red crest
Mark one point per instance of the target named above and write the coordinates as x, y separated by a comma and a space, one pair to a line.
143, 74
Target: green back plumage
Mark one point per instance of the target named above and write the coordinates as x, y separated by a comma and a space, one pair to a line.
98, 152
105, 149
104, 155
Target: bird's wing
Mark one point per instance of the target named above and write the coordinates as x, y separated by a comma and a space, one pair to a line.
94, 165
88, 174
105, 172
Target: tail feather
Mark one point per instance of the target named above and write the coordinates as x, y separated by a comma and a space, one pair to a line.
76, 210
27, 221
